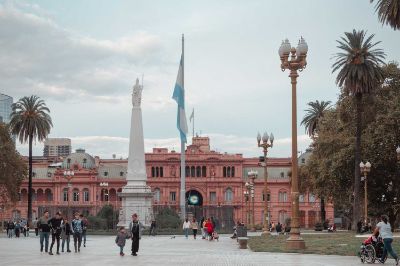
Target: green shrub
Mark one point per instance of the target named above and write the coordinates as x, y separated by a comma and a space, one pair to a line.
168, 218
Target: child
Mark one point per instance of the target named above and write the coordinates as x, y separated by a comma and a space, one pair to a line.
121, 239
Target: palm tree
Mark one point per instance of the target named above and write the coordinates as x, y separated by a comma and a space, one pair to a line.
314, 113
310, 121
359, 73
389, 12
30, 120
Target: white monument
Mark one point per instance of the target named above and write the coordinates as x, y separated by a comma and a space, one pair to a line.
136, 195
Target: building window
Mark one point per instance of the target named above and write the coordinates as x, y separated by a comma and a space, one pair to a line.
282, 174
228, 172
84, 162
282, 217
303, 160
172, 196
198, 171
204, 171
228, 195
233, 171
106, 173
282, 196
224, 171
33, 174
68, 162
161, 171
311, 198
213, 197
86, 195
121, 173
157, 172
65, 194
153, 172
157, 194
301, 198
48, 174
192, 171
268, 197
75, 195
187, 171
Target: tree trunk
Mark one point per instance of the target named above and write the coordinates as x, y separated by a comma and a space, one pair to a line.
30, 181
357, 160
323, 214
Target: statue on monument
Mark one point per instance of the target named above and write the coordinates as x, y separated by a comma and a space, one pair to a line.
137, 94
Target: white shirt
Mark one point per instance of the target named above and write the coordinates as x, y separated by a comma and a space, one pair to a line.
385, 230
186, 225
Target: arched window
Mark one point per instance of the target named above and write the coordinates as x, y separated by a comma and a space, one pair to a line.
301, 198
157, 194
153, 172
228, 195
34, 195
68, 162
282, 217
204, 171
161, 172
224, 171
49, 195
228, 171
86, 195
198, 171
192, 171
75, 195
187, 171
157, 172
268, 196
84, 161
282, 197
311, 198
65, 194
233, 171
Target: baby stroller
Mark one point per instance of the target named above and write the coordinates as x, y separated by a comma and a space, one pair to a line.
215, 236
372, 249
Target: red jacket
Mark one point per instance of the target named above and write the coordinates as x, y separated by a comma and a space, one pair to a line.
209, 227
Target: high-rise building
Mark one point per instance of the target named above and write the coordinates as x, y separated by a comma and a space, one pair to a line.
57, 147
5, 108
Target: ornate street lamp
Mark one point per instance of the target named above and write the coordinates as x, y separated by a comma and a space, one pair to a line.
265, 145
252, 175
297, 62
69, 175
246, 197
365, 169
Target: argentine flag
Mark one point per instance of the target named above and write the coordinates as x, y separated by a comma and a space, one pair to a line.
179, 97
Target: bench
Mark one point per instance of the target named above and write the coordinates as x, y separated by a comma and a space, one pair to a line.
243, 242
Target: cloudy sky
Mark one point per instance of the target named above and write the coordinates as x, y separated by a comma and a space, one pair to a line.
82, 58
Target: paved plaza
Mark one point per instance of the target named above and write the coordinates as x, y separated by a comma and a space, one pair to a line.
160, 250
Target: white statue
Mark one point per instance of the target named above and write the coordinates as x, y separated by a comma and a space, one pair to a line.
137, 94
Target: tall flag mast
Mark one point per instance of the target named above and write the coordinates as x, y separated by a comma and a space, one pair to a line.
179, 97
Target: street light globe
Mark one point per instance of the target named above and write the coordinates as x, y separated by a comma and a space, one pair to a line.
286, 47
265, 137
280, 51
398, 150
362, 165
368, 165
302, 47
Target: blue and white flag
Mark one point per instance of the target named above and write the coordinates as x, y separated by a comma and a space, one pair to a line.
179, 97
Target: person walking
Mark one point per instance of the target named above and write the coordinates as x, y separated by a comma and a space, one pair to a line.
210, 228
66, 231
120, 240
55, 226
44, 230
194, 227
10, 229
203, 235
35, 225
152, 228
17, 229
186, 227
85, 224
77, 229
385, 231
135, 229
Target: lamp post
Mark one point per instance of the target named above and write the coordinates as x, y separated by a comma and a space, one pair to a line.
365, 169
265, 145
246, 197
252, 175
68, 175
297, 62
104, 186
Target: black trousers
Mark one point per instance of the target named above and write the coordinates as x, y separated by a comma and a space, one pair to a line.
54, 237
77, 240
135, 244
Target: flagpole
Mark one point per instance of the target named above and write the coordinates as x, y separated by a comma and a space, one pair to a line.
183, 169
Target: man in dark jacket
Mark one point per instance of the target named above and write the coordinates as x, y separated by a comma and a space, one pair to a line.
44, 229
135, 229
55, 226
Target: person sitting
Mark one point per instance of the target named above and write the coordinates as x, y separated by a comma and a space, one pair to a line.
278, 228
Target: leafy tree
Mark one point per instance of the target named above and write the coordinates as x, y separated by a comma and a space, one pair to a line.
109, 215
315, 112
12, 168
168, 218
331, 163
388, 12
30, 120
359, 73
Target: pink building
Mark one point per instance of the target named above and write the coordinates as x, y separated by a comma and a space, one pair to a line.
215, 185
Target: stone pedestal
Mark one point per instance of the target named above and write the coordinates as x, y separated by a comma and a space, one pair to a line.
295, 244
136, 200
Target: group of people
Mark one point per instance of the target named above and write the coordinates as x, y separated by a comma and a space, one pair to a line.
279, 228
134, 233
207, 227
60, 228
16, 228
